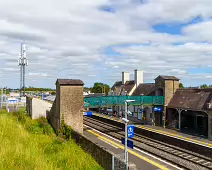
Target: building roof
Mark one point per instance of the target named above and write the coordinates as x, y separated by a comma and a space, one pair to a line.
118, 87
70, 82
195, 99
167, 77
50, 98
128, 86
117, 83
147, 89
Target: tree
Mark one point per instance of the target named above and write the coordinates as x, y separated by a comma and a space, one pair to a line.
100, 88
53, 93
204, 86
181, 85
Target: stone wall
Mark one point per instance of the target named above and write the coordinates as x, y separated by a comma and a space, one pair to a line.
29, 105
170, 88
37, 108
53, 117
100, 154
71, 106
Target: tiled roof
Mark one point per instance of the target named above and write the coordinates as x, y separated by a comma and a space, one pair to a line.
128, 86
147, 89
70, 82
117, 87
117, 83
195, 99
168, 77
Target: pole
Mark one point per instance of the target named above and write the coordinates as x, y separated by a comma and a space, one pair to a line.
24, 79
126, 151
21, 71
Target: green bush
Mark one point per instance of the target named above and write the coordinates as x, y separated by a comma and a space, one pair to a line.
65, 130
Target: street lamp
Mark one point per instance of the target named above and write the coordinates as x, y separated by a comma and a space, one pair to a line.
126, 134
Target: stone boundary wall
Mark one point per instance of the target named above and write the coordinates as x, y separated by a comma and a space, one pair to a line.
52, 116
166, 139
100, 154
37, 108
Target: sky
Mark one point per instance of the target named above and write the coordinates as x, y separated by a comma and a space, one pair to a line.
95, 40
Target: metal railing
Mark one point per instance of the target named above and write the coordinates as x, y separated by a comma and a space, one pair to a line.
118, 162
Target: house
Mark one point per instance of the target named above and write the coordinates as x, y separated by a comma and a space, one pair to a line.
127, 86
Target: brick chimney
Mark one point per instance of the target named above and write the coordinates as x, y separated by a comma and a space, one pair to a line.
125, 77
139, 77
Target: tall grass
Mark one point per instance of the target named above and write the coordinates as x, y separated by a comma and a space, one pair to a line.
32, 144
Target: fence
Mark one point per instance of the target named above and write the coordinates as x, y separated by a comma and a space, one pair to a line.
120, 100
118, 163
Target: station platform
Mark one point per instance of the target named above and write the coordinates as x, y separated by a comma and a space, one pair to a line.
160, 130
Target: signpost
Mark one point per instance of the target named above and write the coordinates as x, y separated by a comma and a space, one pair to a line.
130, 143
129, 131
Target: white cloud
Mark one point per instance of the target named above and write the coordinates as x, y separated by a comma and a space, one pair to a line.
66, 39
10, 69
37, 74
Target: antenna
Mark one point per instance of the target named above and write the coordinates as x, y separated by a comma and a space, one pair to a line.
22, 62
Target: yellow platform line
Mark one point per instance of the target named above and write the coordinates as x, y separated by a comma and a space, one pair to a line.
175, 135
170, 134
130, 151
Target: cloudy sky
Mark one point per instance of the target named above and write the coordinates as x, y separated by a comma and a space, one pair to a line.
95, 40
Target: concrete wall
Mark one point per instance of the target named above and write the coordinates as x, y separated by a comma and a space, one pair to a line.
37, 108
100, 154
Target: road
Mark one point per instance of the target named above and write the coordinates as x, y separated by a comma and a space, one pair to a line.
141, 159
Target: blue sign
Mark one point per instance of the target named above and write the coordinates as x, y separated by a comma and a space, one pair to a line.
87, 114
157, 109
130, 131
129, 143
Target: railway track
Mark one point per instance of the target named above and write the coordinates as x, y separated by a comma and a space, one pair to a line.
176, 155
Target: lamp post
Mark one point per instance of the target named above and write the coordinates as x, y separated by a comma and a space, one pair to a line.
126, 134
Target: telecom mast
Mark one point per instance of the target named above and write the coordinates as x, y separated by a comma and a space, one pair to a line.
23, 62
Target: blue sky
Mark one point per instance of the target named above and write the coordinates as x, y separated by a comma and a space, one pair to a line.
175, 28
98, 39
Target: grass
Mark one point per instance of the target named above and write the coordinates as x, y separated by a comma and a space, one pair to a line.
32, 144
